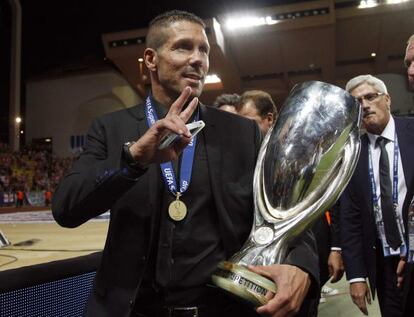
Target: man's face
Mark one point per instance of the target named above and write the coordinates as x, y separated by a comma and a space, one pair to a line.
249, 110
181, 61
409, 62
375, 107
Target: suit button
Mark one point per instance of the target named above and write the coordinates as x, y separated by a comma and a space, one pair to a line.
143, 258
374, 247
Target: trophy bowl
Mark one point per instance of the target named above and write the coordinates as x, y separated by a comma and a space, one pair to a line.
304, 164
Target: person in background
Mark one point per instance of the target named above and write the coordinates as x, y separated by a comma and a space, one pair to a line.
48, 197
409, 62
259, 106
19, 198
375, 204
331, 267
228, 102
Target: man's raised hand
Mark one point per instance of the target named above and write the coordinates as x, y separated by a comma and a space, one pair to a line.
145, 151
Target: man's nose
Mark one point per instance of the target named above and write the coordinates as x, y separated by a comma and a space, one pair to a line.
197, 58
364, 104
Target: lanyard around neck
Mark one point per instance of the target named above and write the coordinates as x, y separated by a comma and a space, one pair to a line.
187, 159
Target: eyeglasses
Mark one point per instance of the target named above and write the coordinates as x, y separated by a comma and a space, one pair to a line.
370, 98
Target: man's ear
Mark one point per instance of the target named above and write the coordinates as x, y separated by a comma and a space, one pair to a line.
150, 59
388, 101
270, 118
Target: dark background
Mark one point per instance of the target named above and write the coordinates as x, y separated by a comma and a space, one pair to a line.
56, 33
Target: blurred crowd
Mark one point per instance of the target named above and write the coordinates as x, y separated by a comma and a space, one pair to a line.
29, 176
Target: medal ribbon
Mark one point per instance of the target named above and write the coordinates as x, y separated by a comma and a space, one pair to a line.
187, 160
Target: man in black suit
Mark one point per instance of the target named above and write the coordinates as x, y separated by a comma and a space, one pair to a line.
327, 236
374, 206
409, 63
175, 212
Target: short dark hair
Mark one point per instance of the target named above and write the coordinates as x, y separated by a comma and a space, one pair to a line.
155, 37
262, 100
227, 99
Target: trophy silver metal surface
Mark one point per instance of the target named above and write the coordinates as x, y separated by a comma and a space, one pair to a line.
304, 164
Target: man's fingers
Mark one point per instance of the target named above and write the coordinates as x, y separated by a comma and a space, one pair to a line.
400, 281
364, 310
360, 296
360, 303
181, 144
400, 272
277, 307
363, 306
269, 295
293, 285
177, 106
331, 270
369, 296
335, 277
179, 124
166, 126
172, 124
187, 113
258, 269
400, 267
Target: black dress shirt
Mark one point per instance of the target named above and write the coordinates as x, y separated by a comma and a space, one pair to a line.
186, 252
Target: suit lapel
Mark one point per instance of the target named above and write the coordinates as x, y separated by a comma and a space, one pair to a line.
152, 176
365, 181
130, 128
405, 133
214, 150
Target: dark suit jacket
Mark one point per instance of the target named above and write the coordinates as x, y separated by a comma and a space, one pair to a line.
357, 220
326, 236
98, 183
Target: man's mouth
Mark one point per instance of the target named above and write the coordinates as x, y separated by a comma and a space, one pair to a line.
193, 77
368, 113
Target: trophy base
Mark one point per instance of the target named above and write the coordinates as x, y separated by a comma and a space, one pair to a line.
238, 280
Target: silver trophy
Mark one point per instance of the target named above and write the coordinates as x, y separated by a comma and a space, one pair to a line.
304, 163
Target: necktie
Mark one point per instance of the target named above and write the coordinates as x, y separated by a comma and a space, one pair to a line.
388, 215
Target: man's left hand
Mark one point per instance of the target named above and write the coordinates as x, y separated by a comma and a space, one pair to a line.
400, 272
335, 266
292, 286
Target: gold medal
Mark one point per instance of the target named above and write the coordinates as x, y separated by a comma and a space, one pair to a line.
177, 209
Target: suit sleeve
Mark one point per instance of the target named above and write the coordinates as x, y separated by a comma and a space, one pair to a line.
335, 226
352, 235
303, 254
98, 178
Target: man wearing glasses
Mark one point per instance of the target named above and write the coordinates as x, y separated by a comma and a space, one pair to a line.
375, 205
